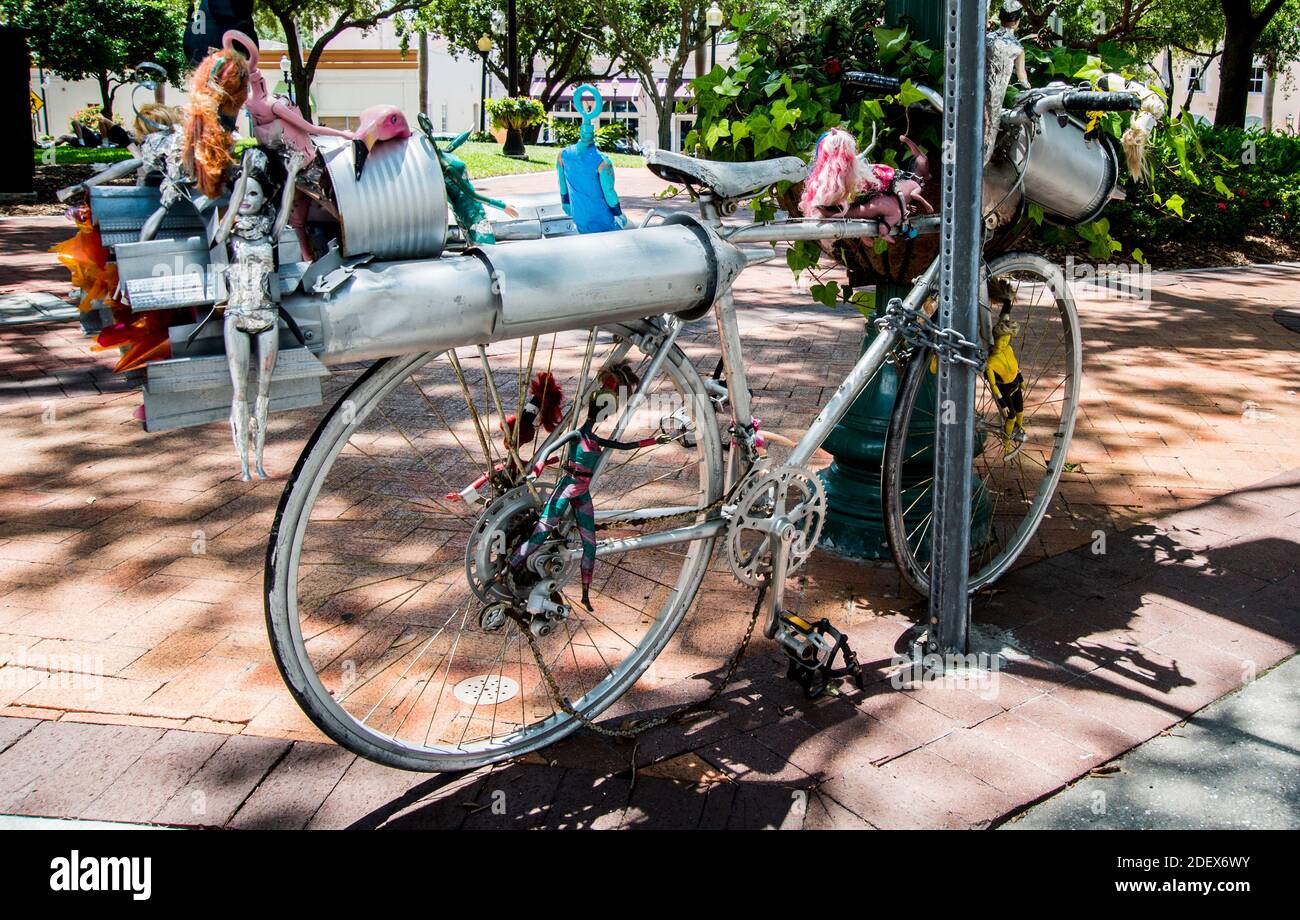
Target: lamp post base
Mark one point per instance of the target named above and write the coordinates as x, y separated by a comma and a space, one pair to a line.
514, 145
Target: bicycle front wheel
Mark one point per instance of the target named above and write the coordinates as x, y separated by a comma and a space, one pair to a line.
381, 569
1017, 462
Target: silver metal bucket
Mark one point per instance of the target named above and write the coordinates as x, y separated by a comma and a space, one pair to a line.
398, 208
1069, 175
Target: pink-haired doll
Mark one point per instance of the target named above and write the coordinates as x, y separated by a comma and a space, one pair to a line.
839, 174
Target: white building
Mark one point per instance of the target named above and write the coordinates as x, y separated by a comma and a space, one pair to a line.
1203, 91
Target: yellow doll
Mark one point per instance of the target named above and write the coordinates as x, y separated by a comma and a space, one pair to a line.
1003, 372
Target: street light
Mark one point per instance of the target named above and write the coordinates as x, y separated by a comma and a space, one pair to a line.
484, 46
284, 73
613, 106
713, 16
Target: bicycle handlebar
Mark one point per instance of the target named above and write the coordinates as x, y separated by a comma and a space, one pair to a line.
1093, 101
874, 82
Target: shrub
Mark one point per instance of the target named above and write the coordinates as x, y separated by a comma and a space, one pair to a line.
516, 112
565, 130
609, 135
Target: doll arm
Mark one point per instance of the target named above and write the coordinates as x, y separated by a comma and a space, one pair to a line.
292, 115
541, 460
606, 173
627, 445
564, 184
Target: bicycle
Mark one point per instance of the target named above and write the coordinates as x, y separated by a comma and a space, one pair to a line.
390, 615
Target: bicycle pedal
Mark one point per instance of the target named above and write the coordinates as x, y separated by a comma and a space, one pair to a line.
812, 649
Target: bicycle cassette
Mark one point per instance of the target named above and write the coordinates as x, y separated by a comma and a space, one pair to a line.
787, 502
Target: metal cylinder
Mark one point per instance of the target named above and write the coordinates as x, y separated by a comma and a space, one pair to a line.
517, 289
1069, 175
398, 208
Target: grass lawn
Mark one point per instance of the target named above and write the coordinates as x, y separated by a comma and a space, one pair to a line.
483, 160
83, 155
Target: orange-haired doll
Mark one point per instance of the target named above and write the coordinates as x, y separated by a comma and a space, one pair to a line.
218, 90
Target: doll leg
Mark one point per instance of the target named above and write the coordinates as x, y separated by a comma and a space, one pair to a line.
237, 357
552, 512
585, 514
268, 346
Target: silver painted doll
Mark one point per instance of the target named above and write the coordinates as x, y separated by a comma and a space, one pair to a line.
251, 316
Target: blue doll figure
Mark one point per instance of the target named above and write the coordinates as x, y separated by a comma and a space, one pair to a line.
587, 176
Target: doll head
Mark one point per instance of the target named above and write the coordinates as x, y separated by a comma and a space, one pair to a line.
617, 380
836, 174
218, 90
154, 117
544, 407
589, 118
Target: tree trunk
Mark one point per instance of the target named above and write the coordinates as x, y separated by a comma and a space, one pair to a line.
105, 96
424, 72
1234, 68
299, 75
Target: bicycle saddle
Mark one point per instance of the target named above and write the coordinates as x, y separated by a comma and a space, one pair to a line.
726, 180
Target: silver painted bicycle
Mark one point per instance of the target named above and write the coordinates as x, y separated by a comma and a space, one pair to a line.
400, 615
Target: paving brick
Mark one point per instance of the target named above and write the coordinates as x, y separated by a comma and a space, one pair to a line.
290, 795
145, 788
212, 795
59, 768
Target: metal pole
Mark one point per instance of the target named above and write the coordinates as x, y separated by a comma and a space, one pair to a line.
959, 289
512, 46
713, 49
482, 98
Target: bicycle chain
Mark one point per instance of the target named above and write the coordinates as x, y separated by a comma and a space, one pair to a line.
558, 697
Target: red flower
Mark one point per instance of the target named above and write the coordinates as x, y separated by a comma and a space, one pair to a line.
1241, 192
1222, 207
1267, 203
831, 67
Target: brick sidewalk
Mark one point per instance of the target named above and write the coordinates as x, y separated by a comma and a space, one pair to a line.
1189, 406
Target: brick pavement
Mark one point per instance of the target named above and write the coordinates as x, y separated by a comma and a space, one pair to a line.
130, 619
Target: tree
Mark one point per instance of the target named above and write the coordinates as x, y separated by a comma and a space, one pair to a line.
649, 31
327, 18
557, 41
1244, 24
102, 40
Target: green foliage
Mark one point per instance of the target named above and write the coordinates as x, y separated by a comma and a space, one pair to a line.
608, 135
516, 112
102, 40
557, 39
1234, 183
565, 130
783, 91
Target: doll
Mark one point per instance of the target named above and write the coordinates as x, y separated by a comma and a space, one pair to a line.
218, 91
843, 183
251, 316
279, 125
1003, 373
466, 202
586, 175
543, 407
1004, 56
573, 489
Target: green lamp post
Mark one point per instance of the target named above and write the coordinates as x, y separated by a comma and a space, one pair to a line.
855, 525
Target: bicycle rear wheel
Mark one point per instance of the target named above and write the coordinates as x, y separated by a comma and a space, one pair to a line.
1013, 481
379, 582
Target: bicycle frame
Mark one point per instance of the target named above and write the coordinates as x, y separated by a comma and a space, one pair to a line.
744, 452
